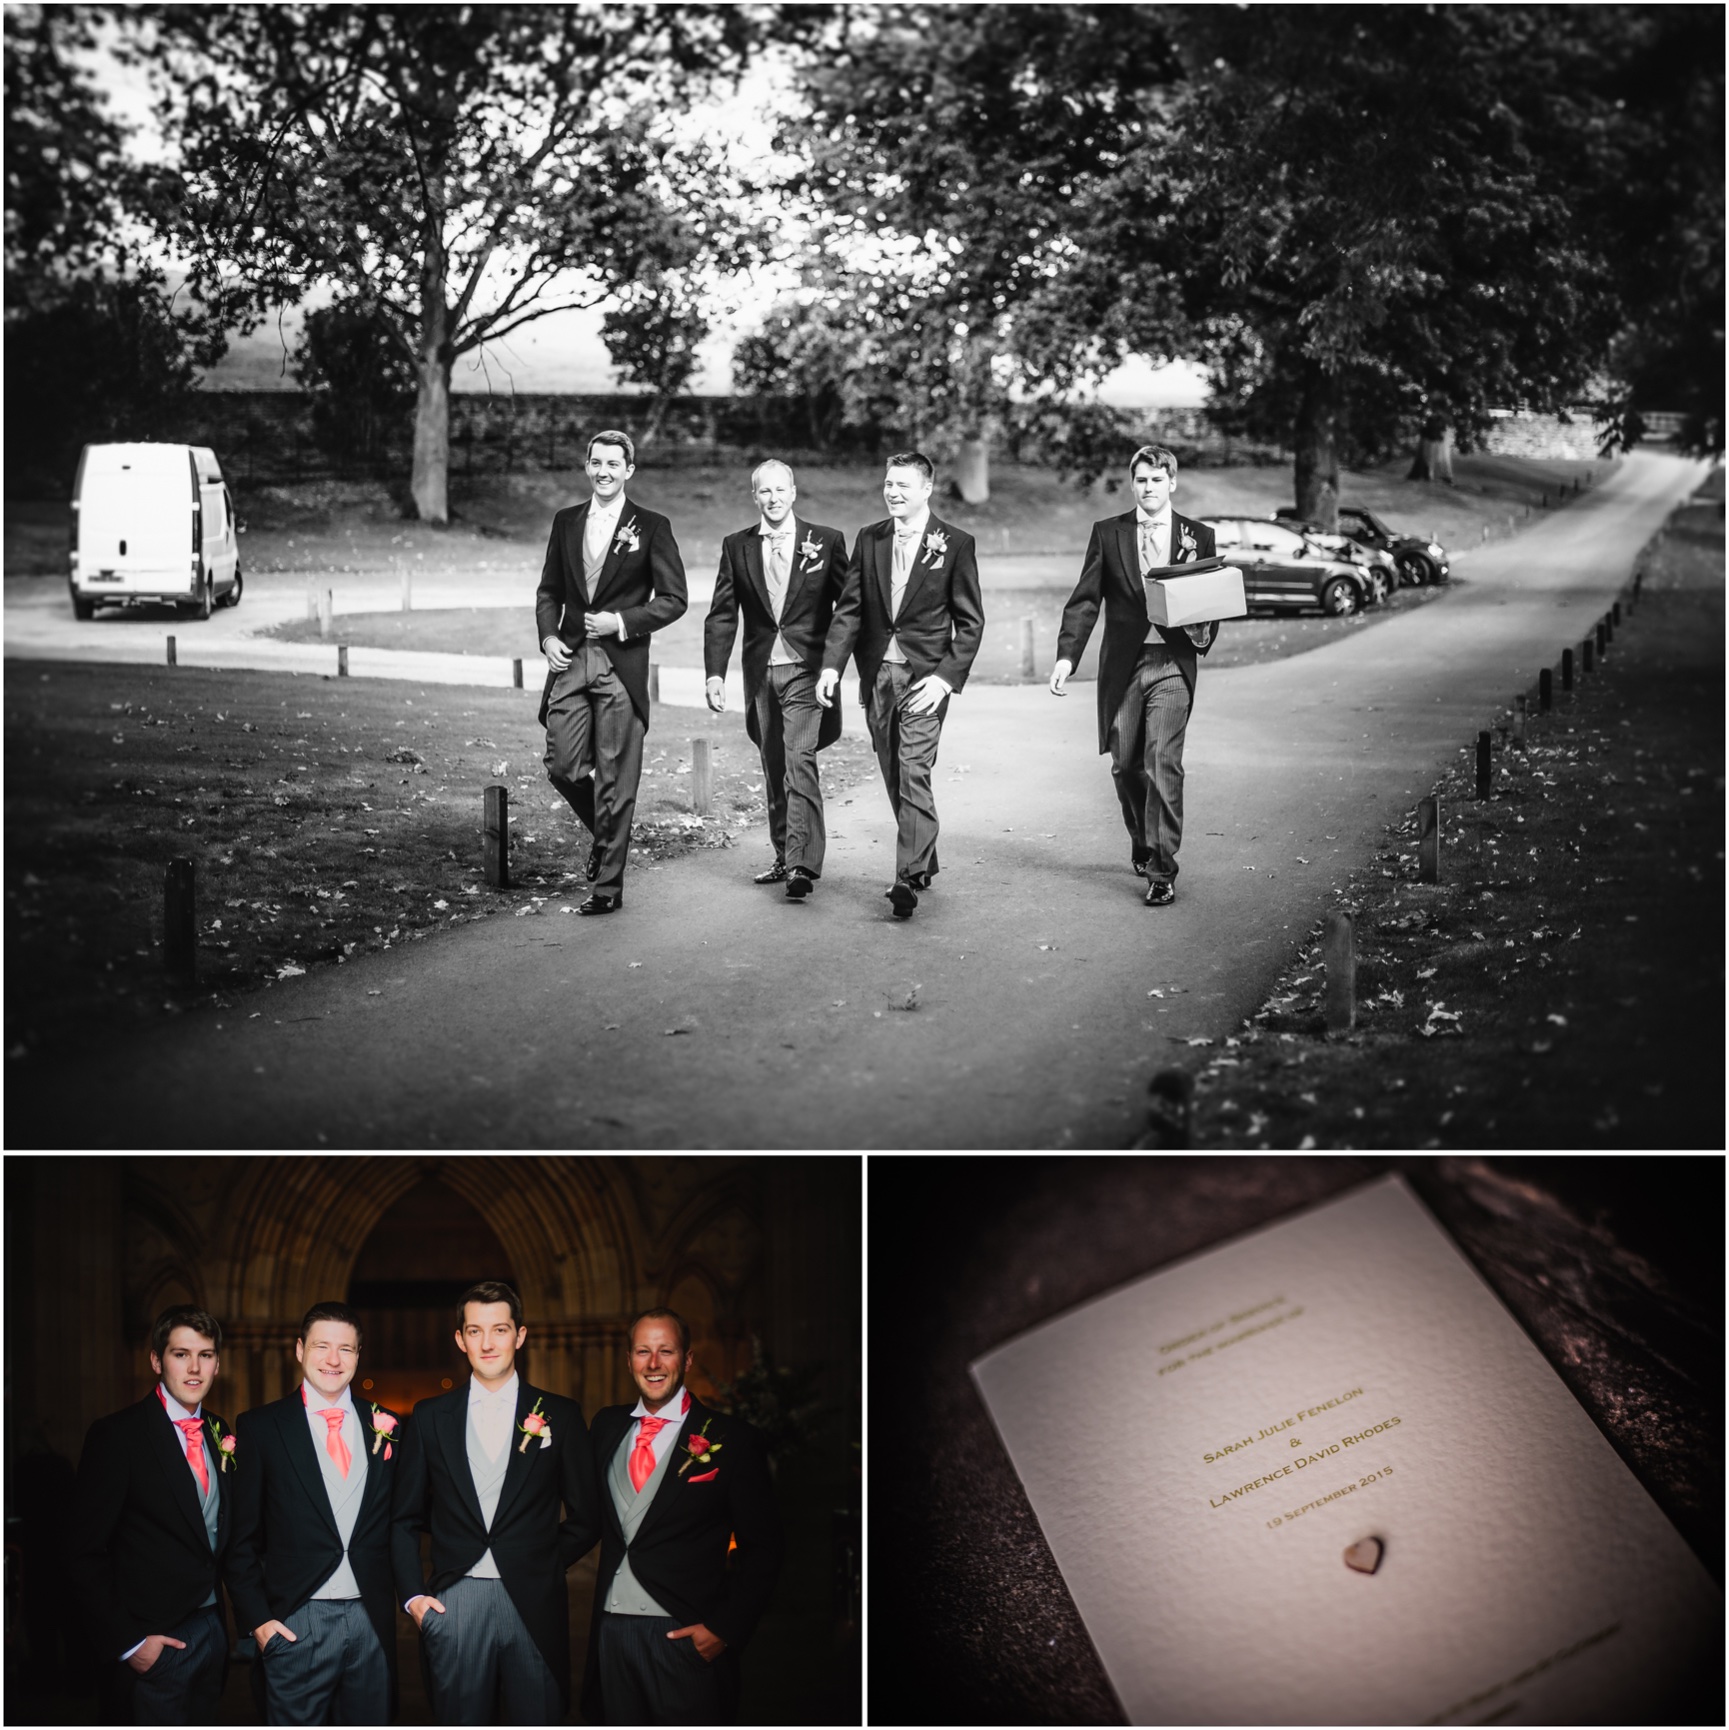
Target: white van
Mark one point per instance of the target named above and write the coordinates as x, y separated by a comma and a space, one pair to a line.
152, 522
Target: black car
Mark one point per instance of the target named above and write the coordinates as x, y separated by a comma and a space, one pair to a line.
1284, 571
1419, 561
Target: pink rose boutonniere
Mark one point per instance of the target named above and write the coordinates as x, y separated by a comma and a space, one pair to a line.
224, 1444
810, 552
628, 539
535, 1425
936, 548
383, 1425
700, 1448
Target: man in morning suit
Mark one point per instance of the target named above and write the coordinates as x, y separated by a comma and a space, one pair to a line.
612, 576
784, 575
150, 1522
912, 613
679, 1481
309, 1562
1146, 671
484, 1469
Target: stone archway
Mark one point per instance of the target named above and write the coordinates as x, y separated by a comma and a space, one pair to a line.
293, 1227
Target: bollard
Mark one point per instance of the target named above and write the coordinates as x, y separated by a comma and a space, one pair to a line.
1339, 950
1545, 690
1638, 584
653, 683
495, 837
407, 579
1027, 647
1566, 669
342, 661
1615, 613
179, 932
1521, 711
701, 777
1602, 639
326, 613
173, 658
1429, 840
1483, 765
1608, 629
1586, 664
516, 672
1545, 501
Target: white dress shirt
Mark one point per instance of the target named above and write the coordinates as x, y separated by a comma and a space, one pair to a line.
907, 535
780, 655
597, 537
494, 1414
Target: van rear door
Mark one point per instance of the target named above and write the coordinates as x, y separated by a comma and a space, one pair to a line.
135, 518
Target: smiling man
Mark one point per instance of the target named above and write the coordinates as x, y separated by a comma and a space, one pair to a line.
680, 1482
309, 1567
1146, 671
612, 576
783, 575
912, 613
484, 1469
150, 1523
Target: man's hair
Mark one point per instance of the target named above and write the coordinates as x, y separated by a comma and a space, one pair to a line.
330, 1312
488, 1291
912, 460
772, 463
613, 437
672, 1316
201, 1322
1158, 456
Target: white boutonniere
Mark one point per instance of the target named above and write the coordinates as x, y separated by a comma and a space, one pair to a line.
628, 539
810, 552
936, 548
1186, 541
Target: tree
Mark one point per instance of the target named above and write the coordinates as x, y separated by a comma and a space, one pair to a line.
360, 381
454, 171
653, 334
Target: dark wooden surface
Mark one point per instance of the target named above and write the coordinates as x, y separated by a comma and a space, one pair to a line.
1614, 1266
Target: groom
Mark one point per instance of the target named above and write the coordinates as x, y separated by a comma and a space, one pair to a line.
484, 1469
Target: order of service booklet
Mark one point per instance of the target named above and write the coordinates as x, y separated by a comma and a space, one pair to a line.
1319, 1475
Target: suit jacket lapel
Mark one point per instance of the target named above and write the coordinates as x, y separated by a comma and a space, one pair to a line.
614, 552
605, 1444
454, 1440
921, 566
880, 553
518, 1465
796, 576
303, 1457
756, 568
171, 1455
672, 1484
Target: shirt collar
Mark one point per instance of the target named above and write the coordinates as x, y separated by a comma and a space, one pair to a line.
674, 1409
477, 1394
767, 530
914, 525
1164, 516
316, 1402
597, 510
174, 1408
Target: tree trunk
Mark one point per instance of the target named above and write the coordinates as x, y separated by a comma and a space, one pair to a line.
973, 470
1317, 450
431, 480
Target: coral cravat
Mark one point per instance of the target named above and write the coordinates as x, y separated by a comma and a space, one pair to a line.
642, 1455
334, 1445
192, 1429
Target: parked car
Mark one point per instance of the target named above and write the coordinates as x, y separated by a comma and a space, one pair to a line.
152, 523
1283, 571
1417, 560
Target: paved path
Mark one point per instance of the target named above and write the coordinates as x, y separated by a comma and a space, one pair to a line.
713, 1013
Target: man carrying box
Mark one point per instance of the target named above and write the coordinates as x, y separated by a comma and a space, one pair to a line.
1146, 671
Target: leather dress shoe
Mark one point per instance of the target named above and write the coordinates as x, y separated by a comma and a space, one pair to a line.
776, 873
1139, 866
799, 884
601, 904
903, 898
1160, 893
591, 869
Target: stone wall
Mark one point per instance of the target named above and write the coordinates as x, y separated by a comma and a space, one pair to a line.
1571, 436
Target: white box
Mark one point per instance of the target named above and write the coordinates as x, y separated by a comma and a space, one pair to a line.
1195, 599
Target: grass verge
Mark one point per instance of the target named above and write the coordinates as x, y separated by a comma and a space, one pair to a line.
1562, 986
324, 816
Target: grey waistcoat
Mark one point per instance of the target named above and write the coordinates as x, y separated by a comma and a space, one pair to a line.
626, 1596
488, 1482
209, 1501
345, 1497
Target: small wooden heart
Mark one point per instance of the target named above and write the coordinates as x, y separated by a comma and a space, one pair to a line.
1364, 1555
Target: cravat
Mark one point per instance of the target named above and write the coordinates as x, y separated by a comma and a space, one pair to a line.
334, 1445
1149, 560
191, 1428
775, 562
642, 1455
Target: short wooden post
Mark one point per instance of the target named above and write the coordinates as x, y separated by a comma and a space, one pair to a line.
1602, 639
1027, 670
1520, 712
179, 927
406, 577
1545, 690
1588, 661
173, 659
1429, 840
1608, 629
326, 613
342, 661
1566, 669
1615, 613
653, 683
1638, 584
1483, 765
495, 837
516, 672
1339, 949
701, 777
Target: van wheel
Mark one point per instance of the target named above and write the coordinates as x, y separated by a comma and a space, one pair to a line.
201, 608
1339, 598
81, 608
232, 598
